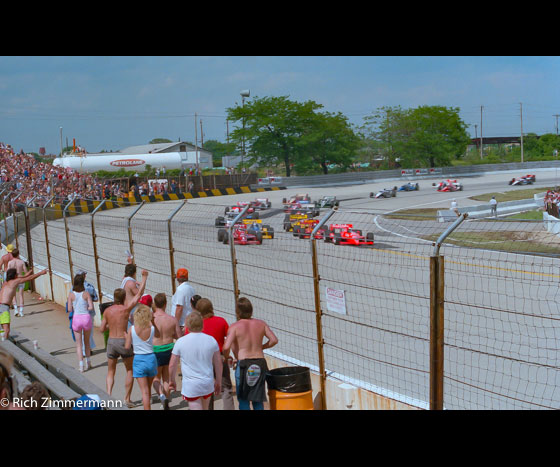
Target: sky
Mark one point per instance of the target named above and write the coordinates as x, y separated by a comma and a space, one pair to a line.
109, 103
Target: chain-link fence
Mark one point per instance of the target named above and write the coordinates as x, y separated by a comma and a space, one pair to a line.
362, 314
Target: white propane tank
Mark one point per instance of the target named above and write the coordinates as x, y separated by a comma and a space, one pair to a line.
136, 162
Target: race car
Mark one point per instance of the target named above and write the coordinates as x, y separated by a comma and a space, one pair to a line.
232, 213
410, 187
327, 202
302, 208
239, 207
520, 181
384, 193
533, 178
293, 220
305, 227
257, 225
261, 204
448, 185
346, 234
299, 198
242, 235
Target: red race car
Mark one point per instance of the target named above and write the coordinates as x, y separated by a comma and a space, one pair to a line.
346, 234
241, 235
449, 185
305, 227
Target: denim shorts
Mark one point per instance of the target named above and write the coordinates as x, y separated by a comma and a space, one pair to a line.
144, 365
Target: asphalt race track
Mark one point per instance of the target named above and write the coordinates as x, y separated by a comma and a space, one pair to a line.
502, 318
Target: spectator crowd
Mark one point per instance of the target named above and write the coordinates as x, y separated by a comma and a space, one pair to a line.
551, 201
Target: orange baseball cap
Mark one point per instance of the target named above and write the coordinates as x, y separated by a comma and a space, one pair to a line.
182, 273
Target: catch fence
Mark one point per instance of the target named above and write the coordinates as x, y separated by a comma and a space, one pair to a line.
483, 334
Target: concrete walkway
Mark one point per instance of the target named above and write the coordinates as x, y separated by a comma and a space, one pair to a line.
47, 322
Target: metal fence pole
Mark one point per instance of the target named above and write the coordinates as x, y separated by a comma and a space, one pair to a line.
130, 240
437, 300
96, 258
47, 246
28, 240
5, 212
171, 249
318, 311
14, 216
64, 216
232, 250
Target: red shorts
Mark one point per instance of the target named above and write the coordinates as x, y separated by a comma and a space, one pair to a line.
192, 399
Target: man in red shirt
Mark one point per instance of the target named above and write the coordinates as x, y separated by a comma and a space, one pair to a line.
217, 328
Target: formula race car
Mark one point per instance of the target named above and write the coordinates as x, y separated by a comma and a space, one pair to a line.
449, 185
327, 202
346, 234
242, 235
520, 181
239, 207
293, 220
258, 226
299, 198
302, 208
305, 227
384, 193
410, 187
261, 203
232, 213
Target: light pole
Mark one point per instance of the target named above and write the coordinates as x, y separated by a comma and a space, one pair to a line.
244, 94
61, 142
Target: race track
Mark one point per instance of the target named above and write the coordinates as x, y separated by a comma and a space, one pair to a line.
502, 321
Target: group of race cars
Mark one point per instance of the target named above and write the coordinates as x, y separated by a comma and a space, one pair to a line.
300, 213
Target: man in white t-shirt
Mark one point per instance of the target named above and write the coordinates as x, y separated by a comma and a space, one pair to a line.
181, 300
201, 365
494, 207
454, 207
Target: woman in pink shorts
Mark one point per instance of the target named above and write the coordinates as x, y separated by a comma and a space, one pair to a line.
81, 303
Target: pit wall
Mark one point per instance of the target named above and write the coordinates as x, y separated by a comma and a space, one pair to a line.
340, 395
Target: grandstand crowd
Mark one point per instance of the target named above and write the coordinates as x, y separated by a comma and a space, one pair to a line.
35, 182
551, 201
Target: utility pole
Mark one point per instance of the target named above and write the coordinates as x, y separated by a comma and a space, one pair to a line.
481, 131
556, 115
201, 135
521, 110
196, 143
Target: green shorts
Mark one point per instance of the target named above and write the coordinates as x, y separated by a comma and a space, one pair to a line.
5, 317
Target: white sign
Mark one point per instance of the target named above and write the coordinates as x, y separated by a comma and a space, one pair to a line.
336, 301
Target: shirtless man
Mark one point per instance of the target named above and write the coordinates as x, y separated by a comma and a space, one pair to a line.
8, 292
245, 339
130, 286
169, 330
5, 260
115, 318
21, 269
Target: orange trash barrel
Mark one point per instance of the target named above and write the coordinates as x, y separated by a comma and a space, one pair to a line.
290, 388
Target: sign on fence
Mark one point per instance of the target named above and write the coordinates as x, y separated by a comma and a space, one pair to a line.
336, 301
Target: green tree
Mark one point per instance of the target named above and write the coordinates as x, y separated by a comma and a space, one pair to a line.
327, 139
160, 140
219, 150
427, 136
271, 128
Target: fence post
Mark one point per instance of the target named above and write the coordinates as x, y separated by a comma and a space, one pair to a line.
47, 246
171, 249
232, 250
28, 240
130, 241
94, 238
318, 311
437, 300
14, 216
65, 215
5, 212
